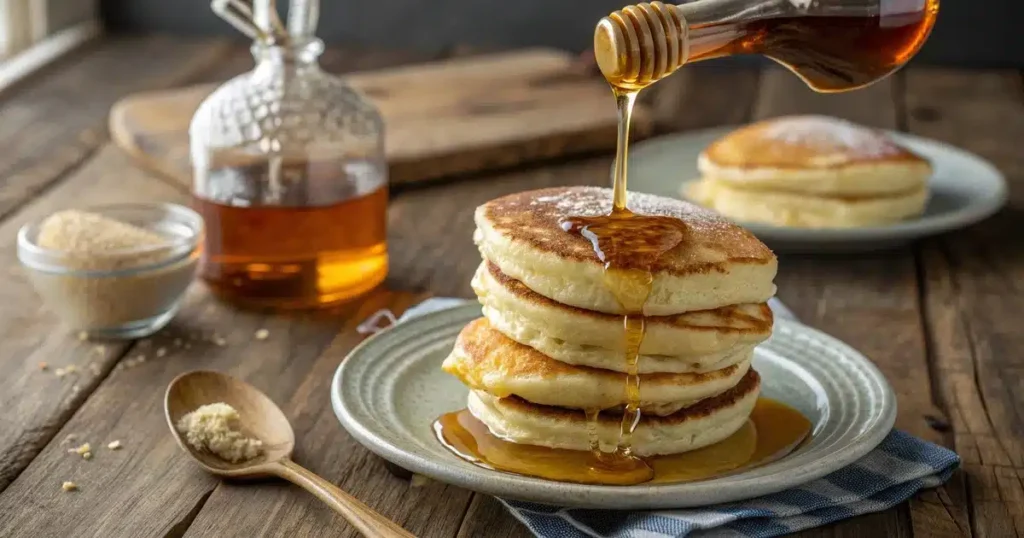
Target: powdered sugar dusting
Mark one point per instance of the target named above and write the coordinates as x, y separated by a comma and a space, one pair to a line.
824, 132
536, 218
594, 201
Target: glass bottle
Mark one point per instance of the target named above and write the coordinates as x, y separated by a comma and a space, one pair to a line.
290, 176
833, 45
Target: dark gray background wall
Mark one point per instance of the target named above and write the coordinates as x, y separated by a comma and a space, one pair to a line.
987, 33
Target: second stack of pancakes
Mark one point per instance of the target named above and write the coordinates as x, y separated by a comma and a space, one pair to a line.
551, 345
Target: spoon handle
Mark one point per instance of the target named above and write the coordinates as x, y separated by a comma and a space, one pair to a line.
369, 522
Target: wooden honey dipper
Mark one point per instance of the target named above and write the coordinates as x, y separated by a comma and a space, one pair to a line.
641, 44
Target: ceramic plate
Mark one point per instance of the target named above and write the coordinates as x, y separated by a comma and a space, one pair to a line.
390, 389
964, 189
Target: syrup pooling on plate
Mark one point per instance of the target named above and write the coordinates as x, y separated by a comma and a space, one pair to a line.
773, 430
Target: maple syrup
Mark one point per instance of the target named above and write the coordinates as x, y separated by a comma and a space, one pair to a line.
628, 245
289, 172
773, 430
833, 45
295, 256
830, 54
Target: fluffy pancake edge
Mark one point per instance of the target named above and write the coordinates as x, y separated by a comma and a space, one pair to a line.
707, 423
562, 267
695, 341
814, 154
797, 210
486, 360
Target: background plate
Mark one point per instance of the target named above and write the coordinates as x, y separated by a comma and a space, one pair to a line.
964, 189
390, 389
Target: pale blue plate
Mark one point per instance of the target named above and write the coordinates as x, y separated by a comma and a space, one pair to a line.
390, 389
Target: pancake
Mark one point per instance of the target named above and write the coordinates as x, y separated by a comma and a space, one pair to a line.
817, 155
708, 422
486, 360
807, 211
717, 264
699, 341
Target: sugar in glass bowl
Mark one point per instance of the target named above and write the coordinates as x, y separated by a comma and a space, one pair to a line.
113, 271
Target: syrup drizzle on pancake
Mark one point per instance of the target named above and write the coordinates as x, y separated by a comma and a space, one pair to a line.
629, 245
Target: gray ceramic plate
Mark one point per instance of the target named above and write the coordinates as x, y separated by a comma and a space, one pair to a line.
964, 189
390, 389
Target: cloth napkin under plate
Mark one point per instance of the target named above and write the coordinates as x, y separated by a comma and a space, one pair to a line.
890, 474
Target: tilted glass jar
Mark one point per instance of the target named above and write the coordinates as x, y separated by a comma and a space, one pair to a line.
291, 179
833, 45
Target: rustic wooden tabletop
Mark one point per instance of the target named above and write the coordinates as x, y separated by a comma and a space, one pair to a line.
942, 319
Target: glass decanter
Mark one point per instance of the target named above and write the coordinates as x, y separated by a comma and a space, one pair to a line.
289, 174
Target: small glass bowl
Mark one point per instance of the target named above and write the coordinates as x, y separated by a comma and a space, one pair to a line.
123, 293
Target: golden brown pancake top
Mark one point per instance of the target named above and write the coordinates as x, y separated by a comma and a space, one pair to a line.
710, 242
486, 351
744, 318
701, 409
806, 142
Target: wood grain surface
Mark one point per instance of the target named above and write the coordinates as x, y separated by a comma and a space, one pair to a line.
446, 117
50, 128
971, 285
942, 318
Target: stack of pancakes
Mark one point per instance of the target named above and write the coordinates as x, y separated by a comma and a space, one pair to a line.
812, 172
551, 343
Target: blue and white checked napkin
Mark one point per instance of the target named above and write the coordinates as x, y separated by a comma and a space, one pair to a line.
900, 466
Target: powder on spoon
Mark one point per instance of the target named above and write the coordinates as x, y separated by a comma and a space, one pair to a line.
216, 428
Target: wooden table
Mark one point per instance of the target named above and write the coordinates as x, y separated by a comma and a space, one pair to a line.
943, 319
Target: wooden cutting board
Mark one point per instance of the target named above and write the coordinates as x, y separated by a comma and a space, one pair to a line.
442, 118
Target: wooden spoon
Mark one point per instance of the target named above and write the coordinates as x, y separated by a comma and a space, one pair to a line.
263, 420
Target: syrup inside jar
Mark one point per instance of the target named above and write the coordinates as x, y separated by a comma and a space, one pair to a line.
833, 45
291, 179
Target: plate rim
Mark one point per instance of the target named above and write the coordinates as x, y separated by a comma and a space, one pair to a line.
656, 496
922, 227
